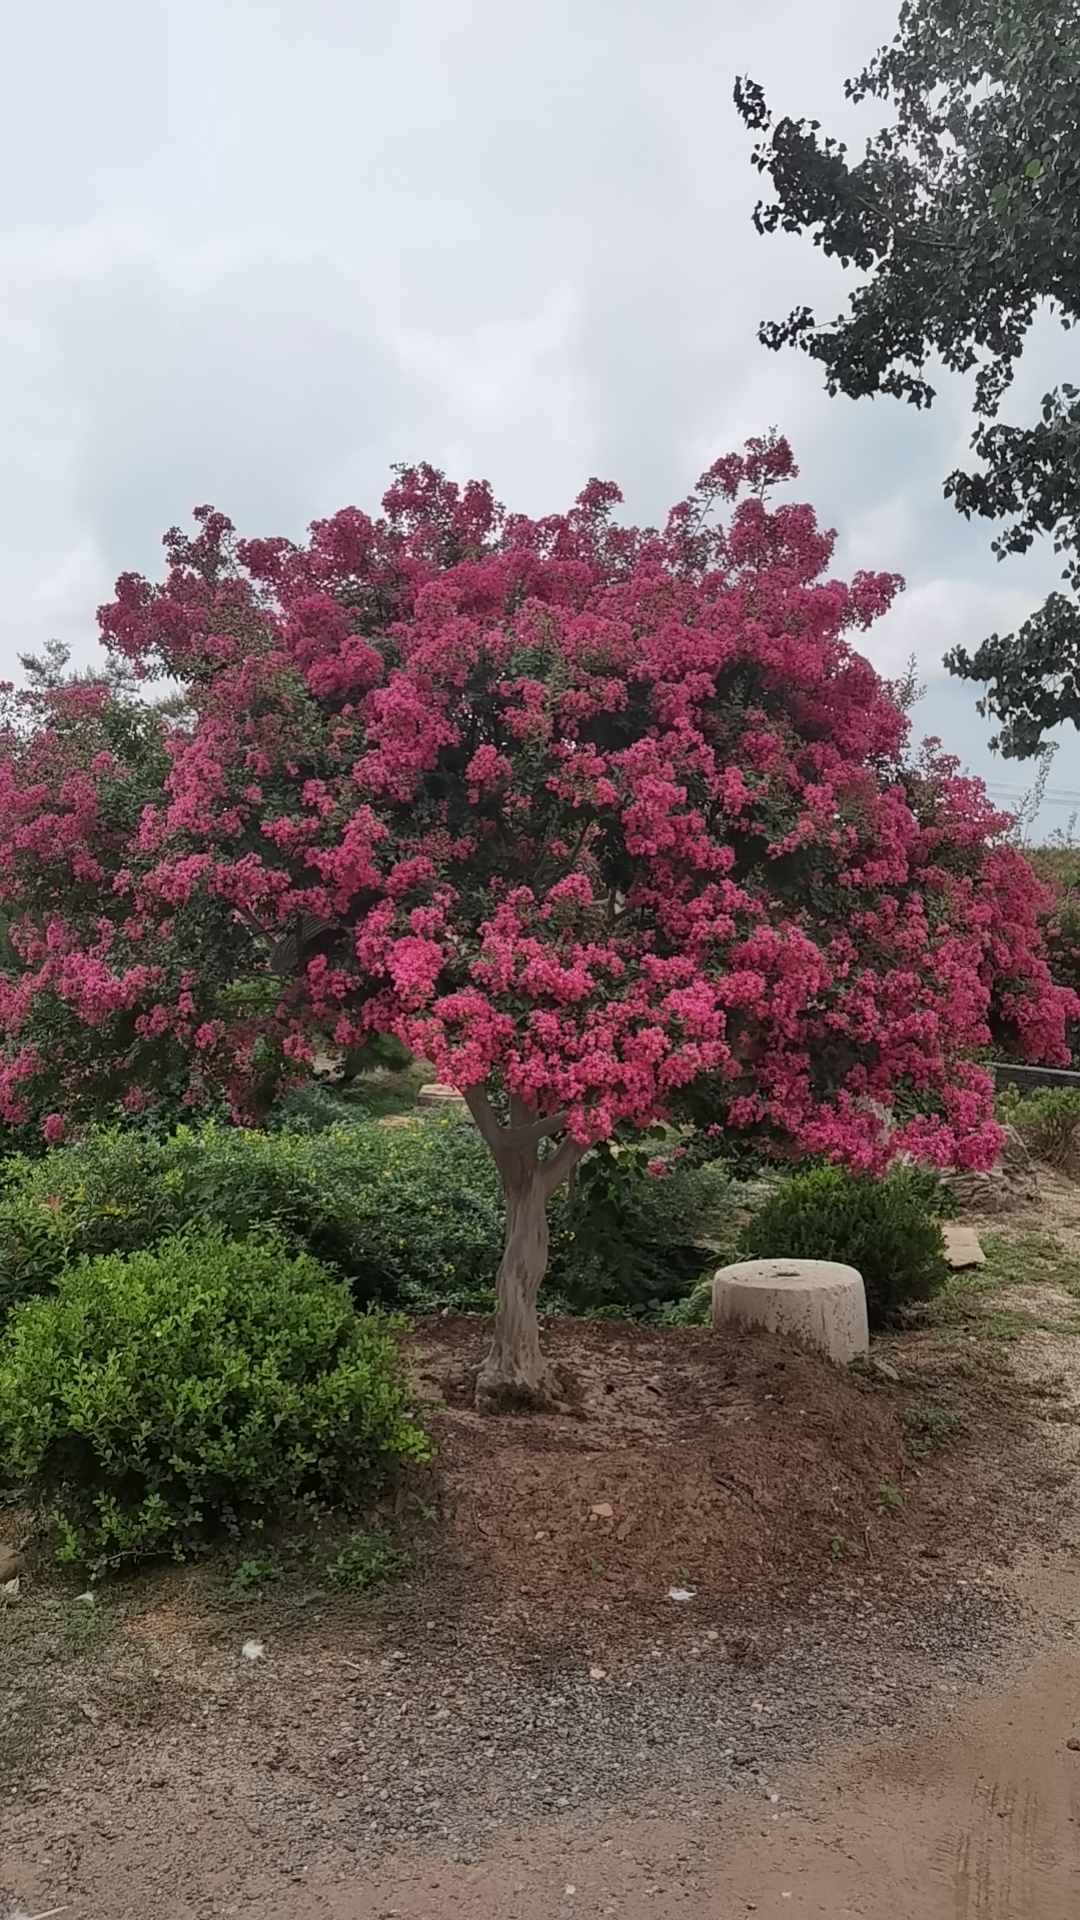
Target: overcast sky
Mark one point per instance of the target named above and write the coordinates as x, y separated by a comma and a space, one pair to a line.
254, 251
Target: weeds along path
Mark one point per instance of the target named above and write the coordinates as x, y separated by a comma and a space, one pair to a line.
864, 1708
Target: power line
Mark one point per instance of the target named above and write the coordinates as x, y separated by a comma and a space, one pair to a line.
1024, 793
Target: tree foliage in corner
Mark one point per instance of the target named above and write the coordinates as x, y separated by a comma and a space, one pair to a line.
964, 214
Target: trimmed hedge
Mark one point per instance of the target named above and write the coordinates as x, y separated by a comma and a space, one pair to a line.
155, 1398
408, 1215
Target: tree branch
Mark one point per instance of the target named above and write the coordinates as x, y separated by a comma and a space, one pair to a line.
578, 844
562, 1162
523, 1135
483, 1113
531, 1136
252, 925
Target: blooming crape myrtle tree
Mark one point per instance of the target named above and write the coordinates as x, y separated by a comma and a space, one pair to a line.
80, 761
598, 820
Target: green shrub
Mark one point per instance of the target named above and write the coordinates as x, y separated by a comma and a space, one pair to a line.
411, 1216
381, 1077
1059, 923
627, 1239
880, 1226
35, 1246
316, 1108
1048, 1121
930, 1189
158, 1397
694, 1309
426, 1219
380, 1050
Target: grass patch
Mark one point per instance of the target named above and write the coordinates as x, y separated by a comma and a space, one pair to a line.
1030, 1259
930, 1427
24, 1700
47, 1638
378, 1095
1006, 1324
366, 1560
85, 1625
971, 1299
963, 1300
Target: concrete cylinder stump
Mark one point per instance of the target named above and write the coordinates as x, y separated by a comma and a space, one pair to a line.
819, 1302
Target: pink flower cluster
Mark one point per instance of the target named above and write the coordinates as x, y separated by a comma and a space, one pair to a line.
588, 813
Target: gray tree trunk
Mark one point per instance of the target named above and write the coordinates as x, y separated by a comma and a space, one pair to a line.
514, 1373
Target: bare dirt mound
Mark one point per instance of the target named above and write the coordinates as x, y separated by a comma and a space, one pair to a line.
726, 1465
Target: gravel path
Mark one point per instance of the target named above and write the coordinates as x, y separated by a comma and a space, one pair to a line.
421, 1761
294, 1766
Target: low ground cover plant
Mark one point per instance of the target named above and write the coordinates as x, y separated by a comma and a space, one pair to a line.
366, 1560
888, 1228
1048, 1122
154, 1399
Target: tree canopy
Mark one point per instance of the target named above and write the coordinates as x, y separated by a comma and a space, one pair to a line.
592, 817
964, 216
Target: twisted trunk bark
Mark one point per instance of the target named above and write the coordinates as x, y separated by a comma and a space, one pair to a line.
515, 1374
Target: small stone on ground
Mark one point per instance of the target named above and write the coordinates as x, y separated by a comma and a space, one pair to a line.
962, 1248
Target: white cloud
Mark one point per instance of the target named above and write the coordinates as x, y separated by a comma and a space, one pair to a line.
58, 602
930, 619
515, 380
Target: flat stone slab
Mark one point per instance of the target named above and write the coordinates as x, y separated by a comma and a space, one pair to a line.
435, 1094
818, 1302
962, 1247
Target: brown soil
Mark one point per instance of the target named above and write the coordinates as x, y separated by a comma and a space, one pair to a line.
731, 1465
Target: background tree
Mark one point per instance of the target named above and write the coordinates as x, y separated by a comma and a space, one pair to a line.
1058, 866
964, 214
602, 821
